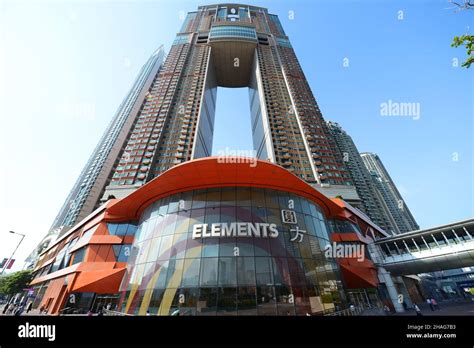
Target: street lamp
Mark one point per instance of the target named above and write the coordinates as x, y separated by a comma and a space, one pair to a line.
14, 251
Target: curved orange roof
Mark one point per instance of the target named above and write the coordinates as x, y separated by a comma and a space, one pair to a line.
209, 172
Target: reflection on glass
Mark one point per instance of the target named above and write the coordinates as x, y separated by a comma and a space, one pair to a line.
246, 270
284, 303
227, 301
191, 272
207, 303
234, 275
263, 271
266, 302
209, 272
228, 196
246, 300
210, 247
227, 271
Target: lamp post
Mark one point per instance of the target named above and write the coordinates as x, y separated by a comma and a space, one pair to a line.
14, 251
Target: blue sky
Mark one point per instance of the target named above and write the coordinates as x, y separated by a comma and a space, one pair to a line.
65, 66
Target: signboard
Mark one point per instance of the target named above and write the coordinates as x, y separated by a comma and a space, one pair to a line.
235, 229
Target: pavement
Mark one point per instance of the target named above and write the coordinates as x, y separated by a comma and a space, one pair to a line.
462, 308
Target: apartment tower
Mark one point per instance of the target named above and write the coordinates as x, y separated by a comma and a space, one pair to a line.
392, 197
230, 45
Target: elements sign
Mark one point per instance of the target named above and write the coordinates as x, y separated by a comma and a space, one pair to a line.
235, 229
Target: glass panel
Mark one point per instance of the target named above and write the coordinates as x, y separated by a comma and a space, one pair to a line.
246, 271
213, 215
227, 271
165, 248
197, 217
263, 269
281, 273
266, 304
131, 230
297, 203
271, 199
125, 252
173, 205
154, 250
162, 268
228, 214
191, 272
245, 246
187, 201
207, 303
175, 272
243, 196
121, 230
284, 305
227, 301
163, 206
178, 248
213, 197
247, 301
210, 247
209, 272
182, 222
227, 246
258, 197
155, 301
199, 199
111, 227
169, 224
262, 247
228, 196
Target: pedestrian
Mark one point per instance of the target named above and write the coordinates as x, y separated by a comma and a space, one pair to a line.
434, 303
428, 300
417, 310
19, 310
5, 309
28, 307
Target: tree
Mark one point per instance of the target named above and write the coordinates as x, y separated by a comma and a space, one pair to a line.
468, 42
465, 40
15, 282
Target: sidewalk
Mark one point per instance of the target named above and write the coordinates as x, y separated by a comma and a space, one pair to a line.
463, 308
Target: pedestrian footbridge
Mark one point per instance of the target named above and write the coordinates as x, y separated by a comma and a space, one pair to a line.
434, 249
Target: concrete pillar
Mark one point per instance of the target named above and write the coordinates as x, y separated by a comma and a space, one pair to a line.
404, 291
386, 278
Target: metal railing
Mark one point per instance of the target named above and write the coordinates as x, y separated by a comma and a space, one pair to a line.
353, 311
109, 312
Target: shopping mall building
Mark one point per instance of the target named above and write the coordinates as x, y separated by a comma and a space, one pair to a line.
213, 237
155, 225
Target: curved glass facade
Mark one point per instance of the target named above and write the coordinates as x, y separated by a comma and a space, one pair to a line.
233, 31
231, 272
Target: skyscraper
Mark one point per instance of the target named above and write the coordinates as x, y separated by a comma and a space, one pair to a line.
168, 116
230, 46
86, 193
372, 202
392, 197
